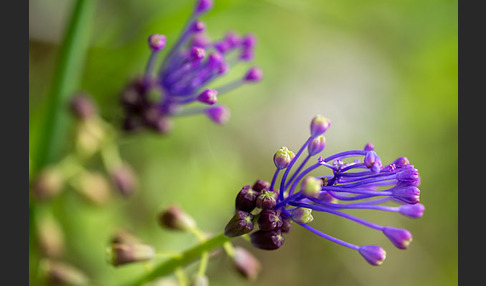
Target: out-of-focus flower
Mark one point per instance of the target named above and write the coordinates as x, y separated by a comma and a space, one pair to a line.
61, 273
358, 180
123, 253
189, 67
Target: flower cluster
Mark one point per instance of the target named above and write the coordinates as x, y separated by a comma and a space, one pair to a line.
190, 66
359, 180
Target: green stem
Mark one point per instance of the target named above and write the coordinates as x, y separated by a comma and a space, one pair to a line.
186, 257
66, 80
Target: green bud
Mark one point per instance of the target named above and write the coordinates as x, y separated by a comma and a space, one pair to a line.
283, 157
60, 273
311, 186
302, 215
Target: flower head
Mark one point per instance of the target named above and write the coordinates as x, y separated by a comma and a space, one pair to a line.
357, 179
190, 66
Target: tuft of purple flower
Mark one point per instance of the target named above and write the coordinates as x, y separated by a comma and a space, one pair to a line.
193, 62
357, 180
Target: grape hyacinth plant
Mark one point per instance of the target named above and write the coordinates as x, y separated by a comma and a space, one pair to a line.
192, 63
358, 180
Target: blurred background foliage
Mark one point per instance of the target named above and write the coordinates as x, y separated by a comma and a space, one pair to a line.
382, 71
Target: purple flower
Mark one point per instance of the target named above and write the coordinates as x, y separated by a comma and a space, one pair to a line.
189, 67
356, 179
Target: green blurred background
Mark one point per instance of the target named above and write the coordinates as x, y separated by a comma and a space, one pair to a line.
382, 71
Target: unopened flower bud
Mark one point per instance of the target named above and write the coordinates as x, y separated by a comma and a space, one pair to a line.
283, 157
319, 125
203, 6
373, 254
311, 186
302, 215
218, 114
412, 211
240, 223
94, 187
327, 197
60, 273
124, 180
401, 238
123, 236
266, 200
408, 194
369, 147
82, 106
409, 176
200, 280
316, 145
156, 42
50, 237
286, 225
90, 135
261, 185
175, 218
269, 220
198, 27
246, 264
120, 254
401, 162
254, 74
267, 240
208, 96
48, 183
373, 162
246, 199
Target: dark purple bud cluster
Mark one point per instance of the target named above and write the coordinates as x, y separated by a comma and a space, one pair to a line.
190, 66
358, 180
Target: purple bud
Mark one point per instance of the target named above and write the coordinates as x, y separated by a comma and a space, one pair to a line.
209, 96
218, 114
266, 200
286, 225
408, 175
120, 254
163, 125
302, 215
200, 40
369, 147
232, 39
408, 194
261, 185
269, 220
374, 254
316, 145
197, 54
254, 74
156, 42
401, 238
124, 179
203, 6
319, 125
215, 60
267, 240
246, 199
83, 106
283, 157
373, 162
198, 26
246, 264
241, 223
327, 197
60, 273
249, 41
401, 162
247, 54
174, 218
412, 211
